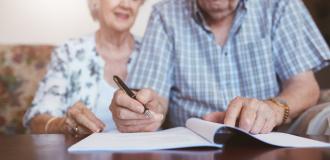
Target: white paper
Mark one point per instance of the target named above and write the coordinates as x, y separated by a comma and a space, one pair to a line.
273, 138
167, 139
203, 128
288, 140
198, 133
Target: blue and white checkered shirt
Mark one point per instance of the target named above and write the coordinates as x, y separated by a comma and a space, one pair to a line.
270, 41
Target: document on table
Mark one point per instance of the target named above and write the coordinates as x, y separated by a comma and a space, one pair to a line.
288, 140
179, 137
197, 133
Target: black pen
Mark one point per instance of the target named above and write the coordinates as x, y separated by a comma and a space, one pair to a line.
124, 87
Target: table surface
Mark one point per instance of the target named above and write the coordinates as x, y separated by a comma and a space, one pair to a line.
54, 146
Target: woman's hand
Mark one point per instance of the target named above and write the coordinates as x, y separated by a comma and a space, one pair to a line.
80, 120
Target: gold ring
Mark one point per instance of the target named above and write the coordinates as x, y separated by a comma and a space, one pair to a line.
76, 129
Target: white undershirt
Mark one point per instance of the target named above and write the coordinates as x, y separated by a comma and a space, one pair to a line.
102, 111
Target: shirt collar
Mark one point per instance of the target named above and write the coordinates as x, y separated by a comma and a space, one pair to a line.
198, 15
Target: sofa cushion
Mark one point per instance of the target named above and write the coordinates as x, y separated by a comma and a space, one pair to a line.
325, 96
21, 68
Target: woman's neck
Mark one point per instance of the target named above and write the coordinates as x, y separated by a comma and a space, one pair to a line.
114, 41
115, 49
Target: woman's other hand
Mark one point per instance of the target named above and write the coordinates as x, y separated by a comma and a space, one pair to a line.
80, 120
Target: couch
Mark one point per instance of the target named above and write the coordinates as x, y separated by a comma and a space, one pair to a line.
21, 68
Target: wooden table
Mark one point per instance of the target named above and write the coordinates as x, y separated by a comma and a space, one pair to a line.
43, 147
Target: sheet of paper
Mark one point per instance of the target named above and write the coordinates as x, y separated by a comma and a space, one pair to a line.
288, 140
167, 139
208, 130
203, 128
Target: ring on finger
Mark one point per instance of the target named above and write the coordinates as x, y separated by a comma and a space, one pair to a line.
76, 129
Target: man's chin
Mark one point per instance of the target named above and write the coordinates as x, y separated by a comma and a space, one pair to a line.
216, 16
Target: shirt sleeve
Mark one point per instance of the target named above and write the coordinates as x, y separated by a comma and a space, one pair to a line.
52, 96
153, 66
297, 43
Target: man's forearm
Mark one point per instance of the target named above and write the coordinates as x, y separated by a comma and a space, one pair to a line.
300, 92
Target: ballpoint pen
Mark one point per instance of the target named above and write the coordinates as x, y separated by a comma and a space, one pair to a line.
124, 87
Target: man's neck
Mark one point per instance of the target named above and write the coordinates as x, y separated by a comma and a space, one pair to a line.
224, 21
220, 21
221, 28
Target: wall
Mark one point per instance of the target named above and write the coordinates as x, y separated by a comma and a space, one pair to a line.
321, 14
52, 21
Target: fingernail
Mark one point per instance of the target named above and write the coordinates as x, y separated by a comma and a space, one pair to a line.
141, 108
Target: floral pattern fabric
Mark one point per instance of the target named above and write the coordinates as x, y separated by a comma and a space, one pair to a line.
74, 74
21, 68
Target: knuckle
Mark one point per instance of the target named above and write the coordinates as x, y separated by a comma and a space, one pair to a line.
131, 129
145, 95
229, 117
122, 129
227, 120
67, 121
264, 131
147, 91
254, 101
235, 100
272, 113
72, 111
79, 103
267, 129
246, 122
254, 131
118, 96
273, 123
111, 108
120, 114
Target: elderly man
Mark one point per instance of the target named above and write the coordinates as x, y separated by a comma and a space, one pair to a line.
245, 63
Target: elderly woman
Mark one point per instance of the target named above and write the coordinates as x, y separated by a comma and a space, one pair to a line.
75, 94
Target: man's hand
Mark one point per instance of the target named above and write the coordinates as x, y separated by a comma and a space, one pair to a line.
128, 112
252, 115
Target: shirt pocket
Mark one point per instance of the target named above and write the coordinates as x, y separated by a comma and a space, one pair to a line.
256, 69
